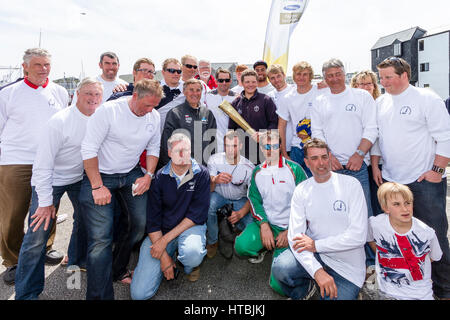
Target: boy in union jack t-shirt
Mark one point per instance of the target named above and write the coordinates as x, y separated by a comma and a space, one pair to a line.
404, 245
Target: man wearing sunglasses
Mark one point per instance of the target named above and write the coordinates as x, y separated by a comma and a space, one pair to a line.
214, 98
143, 68
270, 191
230, 174
414, 142
190, 70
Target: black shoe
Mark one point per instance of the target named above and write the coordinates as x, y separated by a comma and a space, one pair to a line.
53, 257
9, 277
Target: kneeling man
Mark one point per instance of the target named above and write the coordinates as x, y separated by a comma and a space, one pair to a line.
327, 233
177, 211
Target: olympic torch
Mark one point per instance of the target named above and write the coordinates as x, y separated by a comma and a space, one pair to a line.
226, 107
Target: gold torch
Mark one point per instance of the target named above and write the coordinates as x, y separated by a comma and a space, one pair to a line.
226, 107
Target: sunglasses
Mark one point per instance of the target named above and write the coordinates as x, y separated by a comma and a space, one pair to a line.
223, 80
171, 70
146, 71
271, 146
238, 184
395, 60
190, 66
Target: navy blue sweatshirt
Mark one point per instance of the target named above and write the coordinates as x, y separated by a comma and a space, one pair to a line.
171, 200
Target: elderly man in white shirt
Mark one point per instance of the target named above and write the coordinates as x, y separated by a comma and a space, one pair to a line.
116, 136
25, 107
57, 169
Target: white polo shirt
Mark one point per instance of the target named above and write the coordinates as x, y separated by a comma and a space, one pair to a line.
334, 215
414, 126
118, 137
342, 120
58, 157
213, 100
108, 87
24, 110
241, 175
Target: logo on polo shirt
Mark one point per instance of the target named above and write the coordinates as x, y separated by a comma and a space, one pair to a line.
149, 127
339, 206
256, 108
51, 102
191, 186
188, 118
350, 107
405, 111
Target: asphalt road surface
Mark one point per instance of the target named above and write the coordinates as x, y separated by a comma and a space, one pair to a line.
220, 279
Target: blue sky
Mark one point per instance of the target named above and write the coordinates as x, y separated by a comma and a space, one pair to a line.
221, 31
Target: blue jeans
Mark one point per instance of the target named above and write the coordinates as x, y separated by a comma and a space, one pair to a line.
294, 279
148, 275
363, 177
218, 201
30, 274
429, 207
298, 156
99, 225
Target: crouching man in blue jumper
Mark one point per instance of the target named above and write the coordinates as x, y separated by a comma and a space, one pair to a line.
177, 211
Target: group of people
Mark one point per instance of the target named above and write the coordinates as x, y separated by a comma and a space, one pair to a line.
327, 181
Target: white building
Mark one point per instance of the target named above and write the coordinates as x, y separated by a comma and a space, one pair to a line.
434, 62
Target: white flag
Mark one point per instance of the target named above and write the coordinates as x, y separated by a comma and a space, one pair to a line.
283, 18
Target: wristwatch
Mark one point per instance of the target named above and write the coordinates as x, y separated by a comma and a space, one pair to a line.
152, 175
361, 153
438, 169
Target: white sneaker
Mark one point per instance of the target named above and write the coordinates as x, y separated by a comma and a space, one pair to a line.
61, 218
259, 258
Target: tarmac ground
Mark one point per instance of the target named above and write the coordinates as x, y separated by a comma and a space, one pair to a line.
220, 279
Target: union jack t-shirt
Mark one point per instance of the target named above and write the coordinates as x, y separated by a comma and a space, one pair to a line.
403, 261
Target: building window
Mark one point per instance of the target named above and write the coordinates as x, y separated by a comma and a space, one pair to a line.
424, 67
421, 45
397, 49
426, 85
378, 53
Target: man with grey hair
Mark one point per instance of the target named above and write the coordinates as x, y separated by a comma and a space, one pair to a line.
24, 109
193, 118
345, 118
177, 211
109, 64
204, 74
57, 169
115, 137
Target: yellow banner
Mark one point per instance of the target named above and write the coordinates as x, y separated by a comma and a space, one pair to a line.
283, 18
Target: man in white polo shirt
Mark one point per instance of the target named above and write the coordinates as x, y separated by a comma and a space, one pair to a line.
414, 140
296, 107
58, 169
214, 98
345, 118
109, 64
25, 107
116, 135
326, 235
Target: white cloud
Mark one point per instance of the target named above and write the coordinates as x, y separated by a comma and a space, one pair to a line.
221, 31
